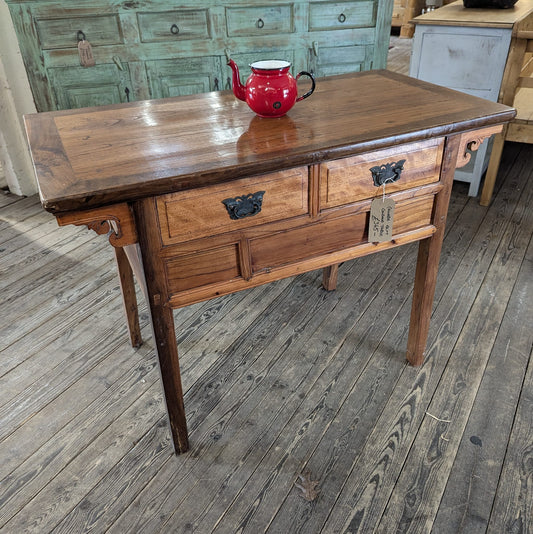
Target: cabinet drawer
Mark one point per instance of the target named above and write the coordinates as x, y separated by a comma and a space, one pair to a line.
349, 180
201, 212
341, 15
170, 26
332, 235
202, 268
259, 20
63, 32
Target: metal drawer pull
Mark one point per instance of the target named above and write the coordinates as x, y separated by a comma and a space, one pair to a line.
260, 23
174, 29
342, 18
387, 173
244, 206
80, 36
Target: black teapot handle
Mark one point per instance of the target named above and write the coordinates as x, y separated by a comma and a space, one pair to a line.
310, 92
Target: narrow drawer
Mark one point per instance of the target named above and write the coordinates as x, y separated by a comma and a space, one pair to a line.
201, 212
260, 20
63, 32
349, 180
202, 268
169, 26
335, 234
341, 15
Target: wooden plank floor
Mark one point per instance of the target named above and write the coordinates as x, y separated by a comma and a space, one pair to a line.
281, 381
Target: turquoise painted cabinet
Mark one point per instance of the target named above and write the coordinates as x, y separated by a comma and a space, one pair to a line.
157, 48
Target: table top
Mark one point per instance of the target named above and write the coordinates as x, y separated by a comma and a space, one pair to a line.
455, 14
91, 157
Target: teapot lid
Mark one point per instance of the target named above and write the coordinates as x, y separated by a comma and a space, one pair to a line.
270, 64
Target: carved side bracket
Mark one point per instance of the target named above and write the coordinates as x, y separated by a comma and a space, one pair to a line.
472, 141
116, 221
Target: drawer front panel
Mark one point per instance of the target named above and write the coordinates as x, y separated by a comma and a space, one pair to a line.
63, 33
260, 20
314, 240
349, 180
172, 26
341, 15
201, 213
202, 268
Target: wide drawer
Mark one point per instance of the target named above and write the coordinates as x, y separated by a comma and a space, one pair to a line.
260, 20
332, 235
63, 32
263, 199
169, 26
341, 15
352, 179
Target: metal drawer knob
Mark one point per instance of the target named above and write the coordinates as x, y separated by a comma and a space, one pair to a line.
174, 29
260, 23
342, 18
244, 206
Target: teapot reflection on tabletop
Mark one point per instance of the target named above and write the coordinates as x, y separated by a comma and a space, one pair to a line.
271, 90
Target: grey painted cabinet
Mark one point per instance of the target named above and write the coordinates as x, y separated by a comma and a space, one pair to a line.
157, 48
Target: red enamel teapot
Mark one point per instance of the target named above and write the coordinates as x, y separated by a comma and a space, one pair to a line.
270, 90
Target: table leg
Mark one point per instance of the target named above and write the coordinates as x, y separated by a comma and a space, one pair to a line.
428, 260
129, 298
329, 277
152, 274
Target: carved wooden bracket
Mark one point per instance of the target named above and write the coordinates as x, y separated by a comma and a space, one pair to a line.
472, 141
116, 221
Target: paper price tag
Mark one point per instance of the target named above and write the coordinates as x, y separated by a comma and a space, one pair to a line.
85, 52
381, 220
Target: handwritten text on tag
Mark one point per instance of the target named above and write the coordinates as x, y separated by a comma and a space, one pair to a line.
381, 219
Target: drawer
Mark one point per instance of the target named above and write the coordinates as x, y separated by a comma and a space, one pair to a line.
332, 235
202, 268
201, 212
260, 20
63, 32
341, 15
169, 26
349, 180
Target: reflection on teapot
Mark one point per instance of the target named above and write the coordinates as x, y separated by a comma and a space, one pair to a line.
270, 90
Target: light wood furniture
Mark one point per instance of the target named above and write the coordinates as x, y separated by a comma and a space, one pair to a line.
487, 53
157, 48
204, 199
402, 13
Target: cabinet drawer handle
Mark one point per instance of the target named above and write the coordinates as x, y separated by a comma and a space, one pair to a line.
80, 36
260, 23
387, 173
342, 18
245, 205
174, 29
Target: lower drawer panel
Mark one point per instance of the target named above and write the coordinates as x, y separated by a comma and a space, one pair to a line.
310, 241
202, 268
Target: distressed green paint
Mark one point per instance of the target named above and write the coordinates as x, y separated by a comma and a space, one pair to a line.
154, 50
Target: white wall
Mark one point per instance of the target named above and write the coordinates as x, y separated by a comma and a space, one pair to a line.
15, 100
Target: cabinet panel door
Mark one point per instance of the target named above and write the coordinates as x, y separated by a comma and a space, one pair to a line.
180, 77
340, 60
77, 87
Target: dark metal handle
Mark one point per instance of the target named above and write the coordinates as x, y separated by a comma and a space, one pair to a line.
216, 84
313, 84
127, 91
80, 36
244, 206
174, 29
387, 173
342, 18
260, 23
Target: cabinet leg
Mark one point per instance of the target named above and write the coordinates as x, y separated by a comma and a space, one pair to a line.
129, 298
329, 277
492, 169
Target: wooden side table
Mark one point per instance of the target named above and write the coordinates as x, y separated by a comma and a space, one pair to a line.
200, 198
480, 52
